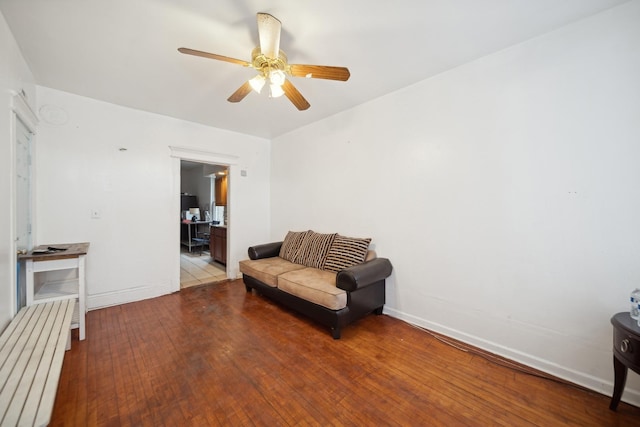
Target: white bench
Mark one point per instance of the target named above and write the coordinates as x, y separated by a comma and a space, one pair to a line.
31, 354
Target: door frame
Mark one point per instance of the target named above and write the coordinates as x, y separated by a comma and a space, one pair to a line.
23, 112
200, 156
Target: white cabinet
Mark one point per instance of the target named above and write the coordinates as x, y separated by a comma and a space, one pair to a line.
58, 274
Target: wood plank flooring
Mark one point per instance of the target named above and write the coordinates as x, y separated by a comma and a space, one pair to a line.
215, 355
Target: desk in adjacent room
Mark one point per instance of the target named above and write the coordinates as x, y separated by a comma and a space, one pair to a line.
192, 232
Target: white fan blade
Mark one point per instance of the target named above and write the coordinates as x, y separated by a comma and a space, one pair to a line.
269, 33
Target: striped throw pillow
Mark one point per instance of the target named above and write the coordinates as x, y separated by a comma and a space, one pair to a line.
291, 244
314, 249
346, 252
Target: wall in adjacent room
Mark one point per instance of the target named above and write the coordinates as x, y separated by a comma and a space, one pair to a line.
193, 181
14, 77
117, 161
505, 192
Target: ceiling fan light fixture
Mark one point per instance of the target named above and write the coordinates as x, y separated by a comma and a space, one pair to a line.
257, 82
276, 90
277, 77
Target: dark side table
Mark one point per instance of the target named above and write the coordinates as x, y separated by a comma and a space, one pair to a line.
626, 352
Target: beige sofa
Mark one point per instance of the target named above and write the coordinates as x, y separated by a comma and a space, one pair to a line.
333, 279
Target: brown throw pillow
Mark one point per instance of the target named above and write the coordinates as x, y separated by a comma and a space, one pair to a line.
346, 252
291, 244
314, 249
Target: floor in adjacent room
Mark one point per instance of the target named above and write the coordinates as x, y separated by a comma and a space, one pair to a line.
197, 268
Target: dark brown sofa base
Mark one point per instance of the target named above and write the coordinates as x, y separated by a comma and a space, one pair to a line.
359, 304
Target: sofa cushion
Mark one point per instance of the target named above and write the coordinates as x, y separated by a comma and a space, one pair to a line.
267, 269
370, 255
292, 242
346, 252
313, 285
314, 249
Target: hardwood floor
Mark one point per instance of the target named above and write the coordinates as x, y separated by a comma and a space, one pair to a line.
215, 355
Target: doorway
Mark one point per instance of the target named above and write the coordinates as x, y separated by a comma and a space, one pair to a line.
23, 239
203, 219
23, 129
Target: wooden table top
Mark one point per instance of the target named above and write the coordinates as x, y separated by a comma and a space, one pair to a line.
70, 250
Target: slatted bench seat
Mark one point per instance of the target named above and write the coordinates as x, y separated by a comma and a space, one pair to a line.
31, 354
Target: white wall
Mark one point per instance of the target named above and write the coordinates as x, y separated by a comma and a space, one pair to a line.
505, 193
133, 254
14, 77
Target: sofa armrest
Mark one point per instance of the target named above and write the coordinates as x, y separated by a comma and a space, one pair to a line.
266, 250
364, 274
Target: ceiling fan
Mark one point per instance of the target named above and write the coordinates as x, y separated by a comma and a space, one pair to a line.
272, 66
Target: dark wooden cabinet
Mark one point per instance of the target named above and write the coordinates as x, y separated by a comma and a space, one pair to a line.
218, 244
221, 191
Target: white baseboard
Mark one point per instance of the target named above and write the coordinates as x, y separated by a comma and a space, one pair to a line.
600, 385
108, 299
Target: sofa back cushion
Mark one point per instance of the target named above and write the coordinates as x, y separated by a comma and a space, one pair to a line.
314, 249
292, 242
370, 255
346, 252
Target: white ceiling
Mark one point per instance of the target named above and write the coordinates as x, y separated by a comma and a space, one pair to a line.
125, 51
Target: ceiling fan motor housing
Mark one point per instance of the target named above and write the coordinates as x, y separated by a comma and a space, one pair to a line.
265, 64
